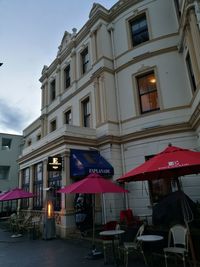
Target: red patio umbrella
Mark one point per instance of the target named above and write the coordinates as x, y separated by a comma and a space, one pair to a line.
172, 162
93, 184
15, 194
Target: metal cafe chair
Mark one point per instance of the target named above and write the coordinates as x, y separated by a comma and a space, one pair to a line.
177, 243
107, 241
134, 247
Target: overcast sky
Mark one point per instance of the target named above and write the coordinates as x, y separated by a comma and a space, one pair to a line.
30, 33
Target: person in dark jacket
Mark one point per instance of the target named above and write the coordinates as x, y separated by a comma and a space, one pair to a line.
80, 215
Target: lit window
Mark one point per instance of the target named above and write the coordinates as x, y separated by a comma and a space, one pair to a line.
139, 30
53, 90
53, 126
85, 60
6, 143
148, 94
67, 77
86, 112
68, 117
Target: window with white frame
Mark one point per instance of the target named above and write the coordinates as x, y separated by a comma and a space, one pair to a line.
68, 117
139, 30
147, 91
86, 112
85, 60
67, 79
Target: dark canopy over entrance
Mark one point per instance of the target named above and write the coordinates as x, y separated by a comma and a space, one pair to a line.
84, 162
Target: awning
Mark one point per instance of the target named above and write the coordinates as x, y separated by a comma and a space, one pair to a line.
84, 162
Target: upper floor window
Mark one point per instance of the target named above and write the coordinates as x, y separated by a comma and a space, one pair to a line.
6, 143
148, 95
29, 142
38, 136
139, 30
85, 60
190, 72
53, 90
86, 112
67, 80
4, 172
53, 125
68, 117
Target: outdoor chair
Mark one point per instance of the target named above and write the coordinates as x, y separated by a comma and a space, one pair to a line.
177, 243
133, 247
128, 219
107, 240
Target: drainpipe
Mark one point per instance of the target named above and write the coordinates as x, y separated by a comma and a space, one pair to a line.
110, 28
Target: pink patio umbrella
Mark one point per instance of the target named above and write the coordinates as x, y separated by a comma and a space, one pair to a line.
93, 184
15, 194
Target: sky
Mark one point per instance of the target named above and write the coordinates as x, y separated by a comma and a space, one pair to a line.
30, 33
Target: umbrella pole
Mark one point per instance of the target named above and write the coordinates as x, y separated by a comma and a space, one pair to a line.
93, 223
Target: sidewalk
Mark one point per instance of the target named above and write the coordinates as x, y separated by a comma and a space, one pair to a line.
24, 252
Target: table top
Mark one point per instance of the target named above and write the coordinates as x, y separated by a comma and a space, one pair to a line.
111, 232
150, 238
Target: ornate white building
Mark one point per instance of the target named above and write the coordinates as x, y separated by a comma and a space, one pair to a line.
122, 88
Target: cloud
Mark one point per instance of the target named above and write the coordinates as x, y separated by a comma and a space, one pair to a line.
12, 119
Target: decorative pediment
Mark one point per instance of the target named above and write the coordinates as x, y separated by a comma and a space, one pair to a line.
65, 41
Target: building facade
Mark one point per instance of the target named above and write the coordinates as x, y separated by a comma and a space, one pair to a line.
121, 89
10, 149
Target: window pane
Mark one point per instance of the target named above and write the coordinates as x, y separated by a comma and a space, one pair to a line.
148, 92
53, 90
6, 143
139, 30
85, 60
4, 172
149, 102
67, 76
86, 113
68, 117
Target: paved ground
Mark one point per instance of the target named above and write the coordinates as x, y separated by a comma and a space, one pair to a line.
25, 252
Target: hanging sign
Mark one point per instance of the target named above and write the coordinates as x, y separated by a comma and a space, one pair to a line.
54, 164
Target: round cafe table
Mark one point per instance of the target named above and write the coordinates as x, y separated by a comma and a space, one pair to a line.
149, 239
113, 234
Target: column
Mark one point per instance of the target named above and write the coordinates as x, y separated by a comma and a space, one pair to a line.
58, 81
65, 198
31, 181
45, 181
73, 66
97, 101
103, 96
195, 35
93, 47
